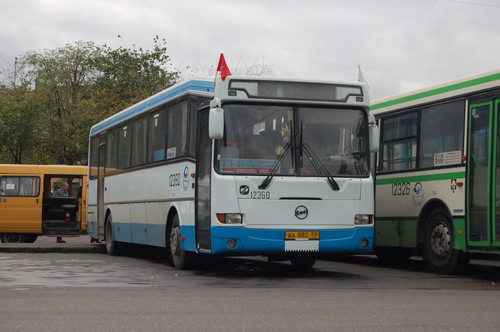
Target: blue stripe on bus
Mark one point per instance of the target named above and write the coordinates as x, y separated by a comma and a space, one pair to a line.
158, 99
249, 240
139, 233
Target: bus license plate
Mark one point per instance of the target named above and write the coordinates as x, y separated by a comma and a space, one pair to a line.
302, 235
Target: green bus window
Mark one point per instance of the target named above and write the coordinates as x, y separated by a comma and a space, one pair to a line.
399, 142
441, 138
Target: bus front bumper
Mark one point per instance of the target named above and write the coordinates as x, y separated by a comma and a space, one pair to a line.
252, 241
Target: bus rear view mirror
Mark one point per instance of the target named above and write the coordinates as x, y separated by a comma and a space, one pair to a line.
216, 123
374, 134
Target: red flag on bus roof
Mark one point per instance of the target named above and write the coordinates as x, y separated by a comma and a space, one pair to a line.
223, 68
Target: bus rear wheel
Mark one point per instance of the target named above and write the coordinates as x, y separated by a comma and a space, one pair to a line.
439, 251
180, 258
12, 237
112, 247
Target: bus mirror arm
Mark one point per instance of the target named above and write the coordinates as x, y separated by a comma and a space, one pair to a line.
374, 134
216, 123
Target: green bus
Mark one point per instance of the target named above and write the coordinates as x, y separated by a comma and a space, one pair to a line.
438, 173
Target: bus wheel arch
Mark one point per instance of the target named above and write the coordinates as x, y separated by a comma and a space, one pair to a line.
177, 257
423, 219
112, 247
439, 249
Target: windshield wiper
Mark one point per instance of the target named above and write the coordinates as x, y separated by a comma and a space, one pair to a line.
275, 167
319, 166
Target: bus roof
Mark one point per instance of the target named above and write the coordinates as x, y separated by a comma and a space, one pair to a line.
42, 169
461, 86
196, 86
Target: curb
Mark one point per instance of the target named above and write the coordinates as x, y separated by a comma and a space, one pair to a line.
13, 248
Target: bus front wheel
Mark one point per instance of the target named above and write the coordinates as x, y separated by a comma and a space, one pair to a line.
180, 258
439, 249
112, 247
302, 262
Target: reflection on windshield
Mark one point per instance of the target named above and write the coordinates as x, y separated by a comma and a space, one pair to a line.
256, 137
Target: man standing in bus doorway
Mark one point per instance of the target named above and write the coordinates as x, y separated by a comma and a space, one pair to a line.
63, 191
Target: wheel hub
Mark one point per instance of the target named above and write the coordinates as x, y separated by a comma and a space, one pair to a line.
440, 241
174, 241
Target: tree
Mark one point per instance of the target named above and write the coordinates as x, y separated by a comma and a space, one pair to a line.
18, 125
63, 83
128, 75
68, 89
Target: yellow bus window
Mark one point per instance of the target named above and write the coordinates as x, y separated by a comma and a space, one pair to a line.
27, 186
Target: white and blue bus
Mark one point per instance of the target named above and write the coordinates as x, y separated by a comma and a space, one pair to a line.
241, 166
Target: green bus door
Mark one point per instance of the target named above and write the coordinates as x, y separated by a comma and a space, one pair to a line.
483, 201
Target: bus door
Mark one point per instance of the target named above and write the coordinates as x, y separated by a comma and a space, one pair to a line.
203, 182
62, 204
100, 183
484, 176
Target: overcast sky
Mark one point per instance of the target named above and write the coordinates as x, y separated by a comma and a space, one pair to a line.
400, 44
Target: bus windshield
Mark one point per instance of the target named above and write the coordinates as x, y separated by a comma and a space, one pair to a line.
296, 141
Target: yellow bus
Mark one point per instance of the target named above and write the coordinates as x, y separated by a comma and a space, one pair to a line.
41, 200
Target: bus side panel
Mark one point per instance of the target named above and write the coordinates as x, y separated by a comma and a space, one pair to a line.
138, 222
140, 202
156, 219
400, 201
396, 233
21, 214
459, 234
122, 228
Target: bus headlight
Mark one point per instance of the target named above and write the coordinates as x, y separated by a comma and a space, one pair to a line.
230, 218
363, 219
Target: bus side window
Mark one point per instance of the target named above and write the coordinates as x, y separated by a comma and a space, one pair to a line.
25, 186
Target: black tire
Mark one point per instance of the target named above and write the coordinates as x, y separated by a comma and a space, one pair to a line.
439, 251
181, 259
113, 247
303, 262
12, 237
393, 256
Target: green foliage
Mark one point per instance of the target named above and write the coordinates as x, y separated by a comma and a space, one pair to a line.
130, 75
19, 127
66, 90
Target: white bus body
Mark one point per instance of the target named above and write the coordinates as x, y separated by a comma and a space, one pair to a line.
311, 193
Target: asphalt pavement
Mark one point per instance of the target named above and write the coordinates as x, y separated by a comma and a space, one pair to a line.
74, 244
